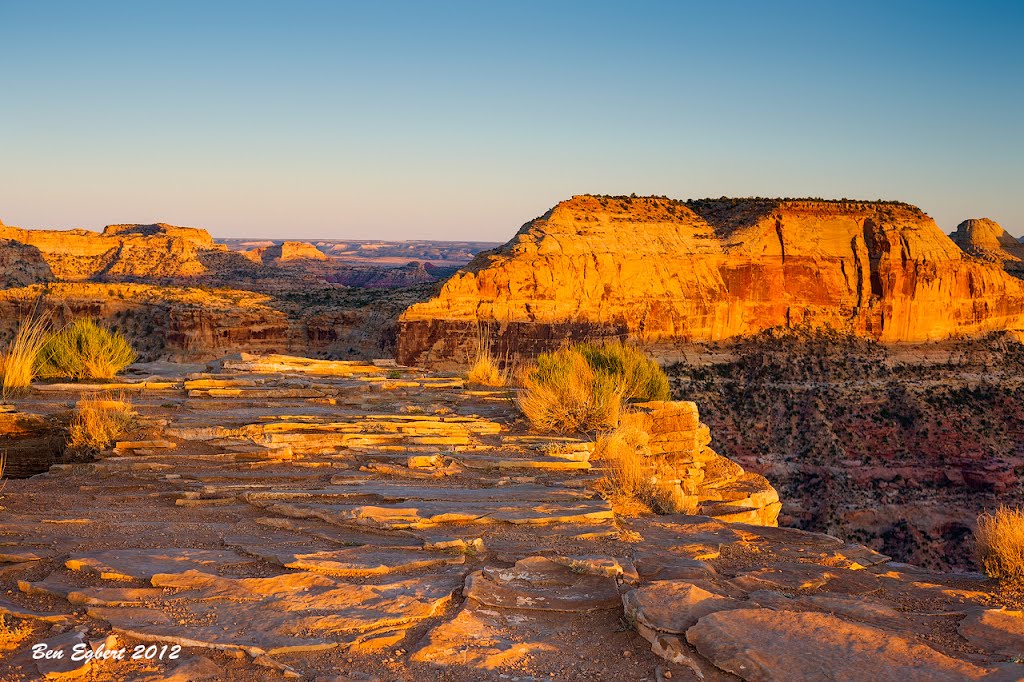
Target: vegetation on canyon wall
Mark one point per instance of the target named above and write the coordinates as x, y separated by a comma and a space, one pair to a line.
896, 447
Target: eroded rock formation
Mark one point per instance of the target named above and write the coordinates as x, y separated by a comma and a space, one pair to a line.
699, 480
119, 252
661, 272
987, 240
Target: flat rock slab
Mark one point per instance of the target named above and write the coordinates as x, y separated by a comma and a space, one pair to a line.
537, 583
338, 535
411, 515
362, 561
143, 564
485, 639
673, 606
789, 577
397, 492
763, 645
293, 612
9, 608
996, 630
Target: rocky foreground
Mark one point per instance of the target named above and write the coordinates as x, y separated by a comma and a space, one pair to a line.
340, 521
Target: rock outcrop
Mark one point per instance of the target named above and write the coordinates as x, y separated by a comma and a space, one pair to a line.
119, 252
662, 272
411, 274
287, 252
698, 479
987, 240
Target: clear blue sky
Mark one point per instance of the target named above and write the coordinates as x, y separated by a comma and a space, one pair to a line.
463, 120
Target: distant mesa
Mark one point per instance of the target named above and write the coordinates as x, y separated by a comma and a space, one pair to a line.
663, 272
120, 251
286, 252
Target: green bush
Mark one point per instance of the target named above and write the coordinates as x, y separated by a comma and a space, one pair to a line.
641, 378
84, 350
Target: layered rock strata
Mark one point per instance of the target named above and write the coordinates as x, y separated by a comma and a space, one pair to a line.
696, 478
661, 272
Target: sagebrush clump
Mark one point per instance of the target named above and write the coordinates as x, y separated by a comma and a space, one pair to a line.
582, 387
84, 350
640, 377
999, 543
562, 392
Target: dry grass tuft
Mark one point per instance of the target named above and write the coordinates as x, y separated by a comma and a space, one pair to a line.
18, 362
563, 393
625, 454
1000, 543
631, 473
99, 422
84, 350
486, 369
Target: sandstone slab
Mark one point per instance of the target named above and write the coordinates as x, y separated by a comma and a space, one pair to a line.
997, 630
143, 564
763, 645
536, 583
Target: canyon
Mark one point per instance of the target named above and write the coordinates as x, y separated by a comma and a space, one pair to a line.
858, 370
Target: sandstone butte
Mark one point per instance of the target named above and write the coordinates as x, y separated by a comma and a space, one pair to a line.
663, 272
987, 240
286, 252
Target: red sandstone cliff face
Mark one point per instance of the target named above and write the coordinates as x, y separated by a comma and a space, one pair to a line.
661, 272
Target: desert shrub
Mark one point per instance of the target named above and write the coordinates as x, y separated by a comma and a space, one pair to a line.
1000, 543
562, 392
99, 422
84, 350
582, 387
13, 633
18, 361
623, 452
641, 377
